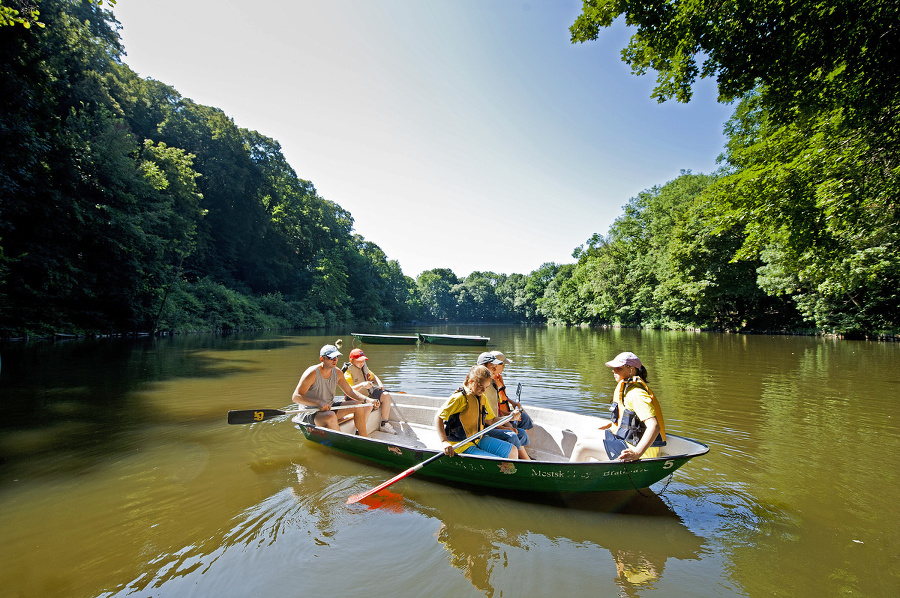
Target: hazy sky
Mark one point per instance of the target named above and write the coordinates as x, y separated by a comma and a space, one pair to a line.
462, 134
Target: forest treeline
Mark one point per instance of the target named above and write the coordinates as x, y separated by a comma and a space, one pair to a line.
125, 207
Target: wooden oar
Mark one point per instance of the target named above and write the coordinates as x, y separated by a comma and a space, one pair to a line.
358, 497
251, 416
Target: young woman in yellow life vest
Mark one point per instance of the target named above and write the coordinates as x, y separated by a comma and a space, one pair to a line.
637, 429
467, 412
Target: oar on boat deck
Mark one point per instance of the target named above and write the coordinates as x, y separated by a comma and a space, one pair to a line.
251, 416
358, 497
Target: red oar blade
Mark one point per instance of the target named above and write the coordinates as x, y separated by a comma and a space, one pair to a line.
358, 497
385, 501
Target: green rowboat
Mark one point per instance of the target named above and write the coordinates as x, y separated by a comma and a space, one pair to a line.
554, 435
453, 339
386, 339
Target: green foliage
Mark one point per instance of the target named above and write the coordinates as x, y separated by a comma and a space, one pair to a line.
807, 198
810, 54
434, 289
663, 264
124, 206
20, 13
819, 200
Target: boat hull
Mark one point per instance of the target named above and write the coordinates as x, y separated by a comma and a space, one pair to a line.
454, 339
386, 339
530, 476
553, 437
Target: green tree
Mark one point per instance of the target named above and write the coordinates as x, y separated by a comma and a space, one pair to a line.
819, 203
434, 290
810, 55
813, 145
476, 298
511, 293
69, 209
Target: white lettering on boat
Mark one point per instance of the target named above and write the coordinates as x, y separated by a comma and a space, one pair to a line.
623, 472
547, 474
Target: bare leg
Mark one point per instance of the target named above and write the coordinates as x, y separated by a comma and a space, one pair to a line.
587, 448
385, 406
327, 419
360, 418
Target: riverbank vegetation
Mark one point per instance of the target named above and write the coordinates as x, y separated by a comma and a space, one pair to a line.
125, 207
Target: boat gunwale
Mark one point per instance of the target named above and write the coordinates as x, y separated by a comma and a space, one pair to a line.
702, 448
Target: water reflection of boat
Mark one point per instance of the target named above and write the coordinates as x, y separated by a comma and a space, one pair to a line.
552, 440
639, 531
514, 541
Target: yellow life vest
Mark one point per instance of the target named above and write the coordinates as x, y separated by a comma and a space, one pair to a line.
463, 424
628, 426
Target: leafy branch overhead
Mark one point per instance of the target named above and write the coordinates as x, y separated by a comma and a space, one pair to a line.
808, 55
26, 13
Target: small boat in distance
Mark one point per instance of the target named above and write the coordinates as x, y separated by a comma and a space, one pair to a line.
553, 437
386, 339
453, 339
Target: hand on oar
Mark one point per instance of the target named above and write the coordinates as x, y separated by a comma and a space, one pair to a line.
252, 416
358, 497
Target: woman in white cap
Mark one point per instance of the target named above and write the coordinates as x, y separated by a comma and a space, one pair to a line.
637, 429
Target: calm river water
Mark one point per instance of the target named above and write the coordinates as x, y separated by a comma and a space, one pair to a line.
120, 477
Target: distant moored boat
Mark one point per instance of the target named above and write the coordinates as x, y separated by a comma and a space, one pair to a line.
453, 339
386, 339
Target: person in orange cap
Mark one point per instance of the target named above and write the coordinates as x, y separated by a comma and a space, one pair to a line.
364, 381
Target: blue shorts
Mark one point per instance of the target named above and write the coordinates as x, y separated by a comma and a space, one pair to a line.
490, 447
516, 437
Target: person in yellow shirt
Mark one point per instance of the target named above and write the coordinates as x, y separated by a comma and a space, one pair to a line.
637, 429
465, 413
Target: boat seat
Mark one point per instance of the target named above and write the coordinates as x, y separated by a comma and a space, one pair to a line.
348, 426
414, 414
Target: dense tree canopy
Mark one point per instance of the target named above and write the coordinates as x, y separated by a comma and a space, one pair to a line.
810, 55
124, 206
